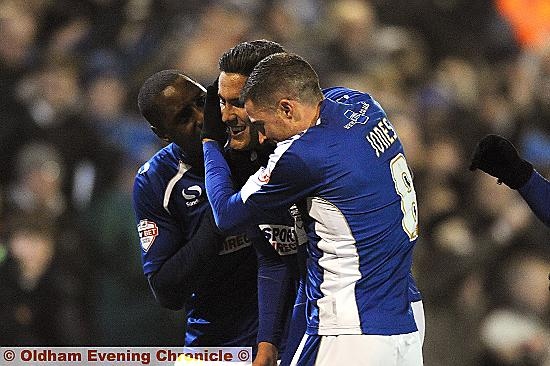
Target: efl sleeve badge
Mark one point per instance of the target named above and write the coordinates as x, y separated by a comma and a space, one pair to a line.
147, 231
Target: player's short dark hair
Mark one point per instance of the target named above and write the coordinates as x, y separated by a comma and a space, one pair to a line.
282, 75
242, 58
150, 90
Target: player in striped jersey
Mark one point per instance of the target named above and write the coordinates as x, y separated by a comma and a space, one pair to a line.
339, 157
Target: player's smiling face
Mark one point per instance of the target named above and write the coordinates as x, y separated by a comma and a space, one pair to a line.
233, 112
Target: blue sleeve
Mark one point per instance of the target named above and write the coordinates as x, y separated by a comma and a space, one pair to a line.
536, 193
172, 264
183, 272
276, 289
228, 208
288, 181
275, 298
159, 234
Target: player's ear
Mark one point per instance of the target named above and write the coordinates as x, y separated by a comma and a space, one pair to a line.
286, 107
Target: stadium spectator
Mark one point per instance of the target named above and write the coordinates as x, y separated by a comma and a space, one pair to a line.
514, 332
41, 299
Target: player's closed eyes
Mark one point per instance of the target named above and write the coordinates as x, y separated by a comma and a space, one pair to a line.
186, 113
237, 103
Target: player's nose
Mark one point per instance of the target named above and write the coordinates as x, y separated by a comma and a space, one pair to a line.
227, 113
233, 122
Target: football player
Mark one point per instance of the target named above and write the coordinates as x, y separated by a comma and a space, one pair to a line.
188, 262
340, 158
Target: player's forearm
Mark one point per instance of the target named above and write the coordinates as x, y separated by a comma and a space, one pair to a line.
180, 274
536, 193
276, 295
173, 300
229, 211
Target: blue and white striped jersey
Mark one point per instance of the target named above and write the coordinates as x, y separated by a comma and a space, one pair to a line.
350, 176
170, 202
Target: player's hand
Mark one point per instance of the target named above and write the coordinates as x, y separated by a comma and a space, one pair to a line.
498, 157
267, 355
213, 128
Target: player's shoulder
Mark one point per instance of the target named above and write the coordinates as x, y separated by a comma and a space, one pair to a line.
346, 97
301, 155
297, 146
350, 107
156, 171
164, 160
340, 94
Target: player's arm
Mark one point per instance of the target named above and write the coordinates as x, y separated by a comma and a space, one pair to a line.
172, 267
297, 326
228, 206
261, 198
536, 193
496, 156
229, 213
179, 274
275, 293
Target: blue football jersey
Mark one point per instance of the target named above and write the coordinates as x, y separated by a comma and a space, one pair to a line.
169, 202
350, 176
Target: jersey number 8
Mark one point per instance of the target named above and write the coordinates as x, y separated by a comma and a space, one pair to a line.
404, 187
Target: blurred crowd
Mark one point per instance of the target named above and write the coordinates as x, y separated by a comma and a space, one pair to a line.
448, 72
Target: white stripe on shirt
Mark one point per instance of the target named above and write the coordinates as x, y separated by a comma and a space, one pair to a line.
182, 169
338, 312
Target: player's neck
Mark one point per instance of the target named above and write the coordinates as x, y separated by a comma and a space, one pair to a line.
311, 114
193, 157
